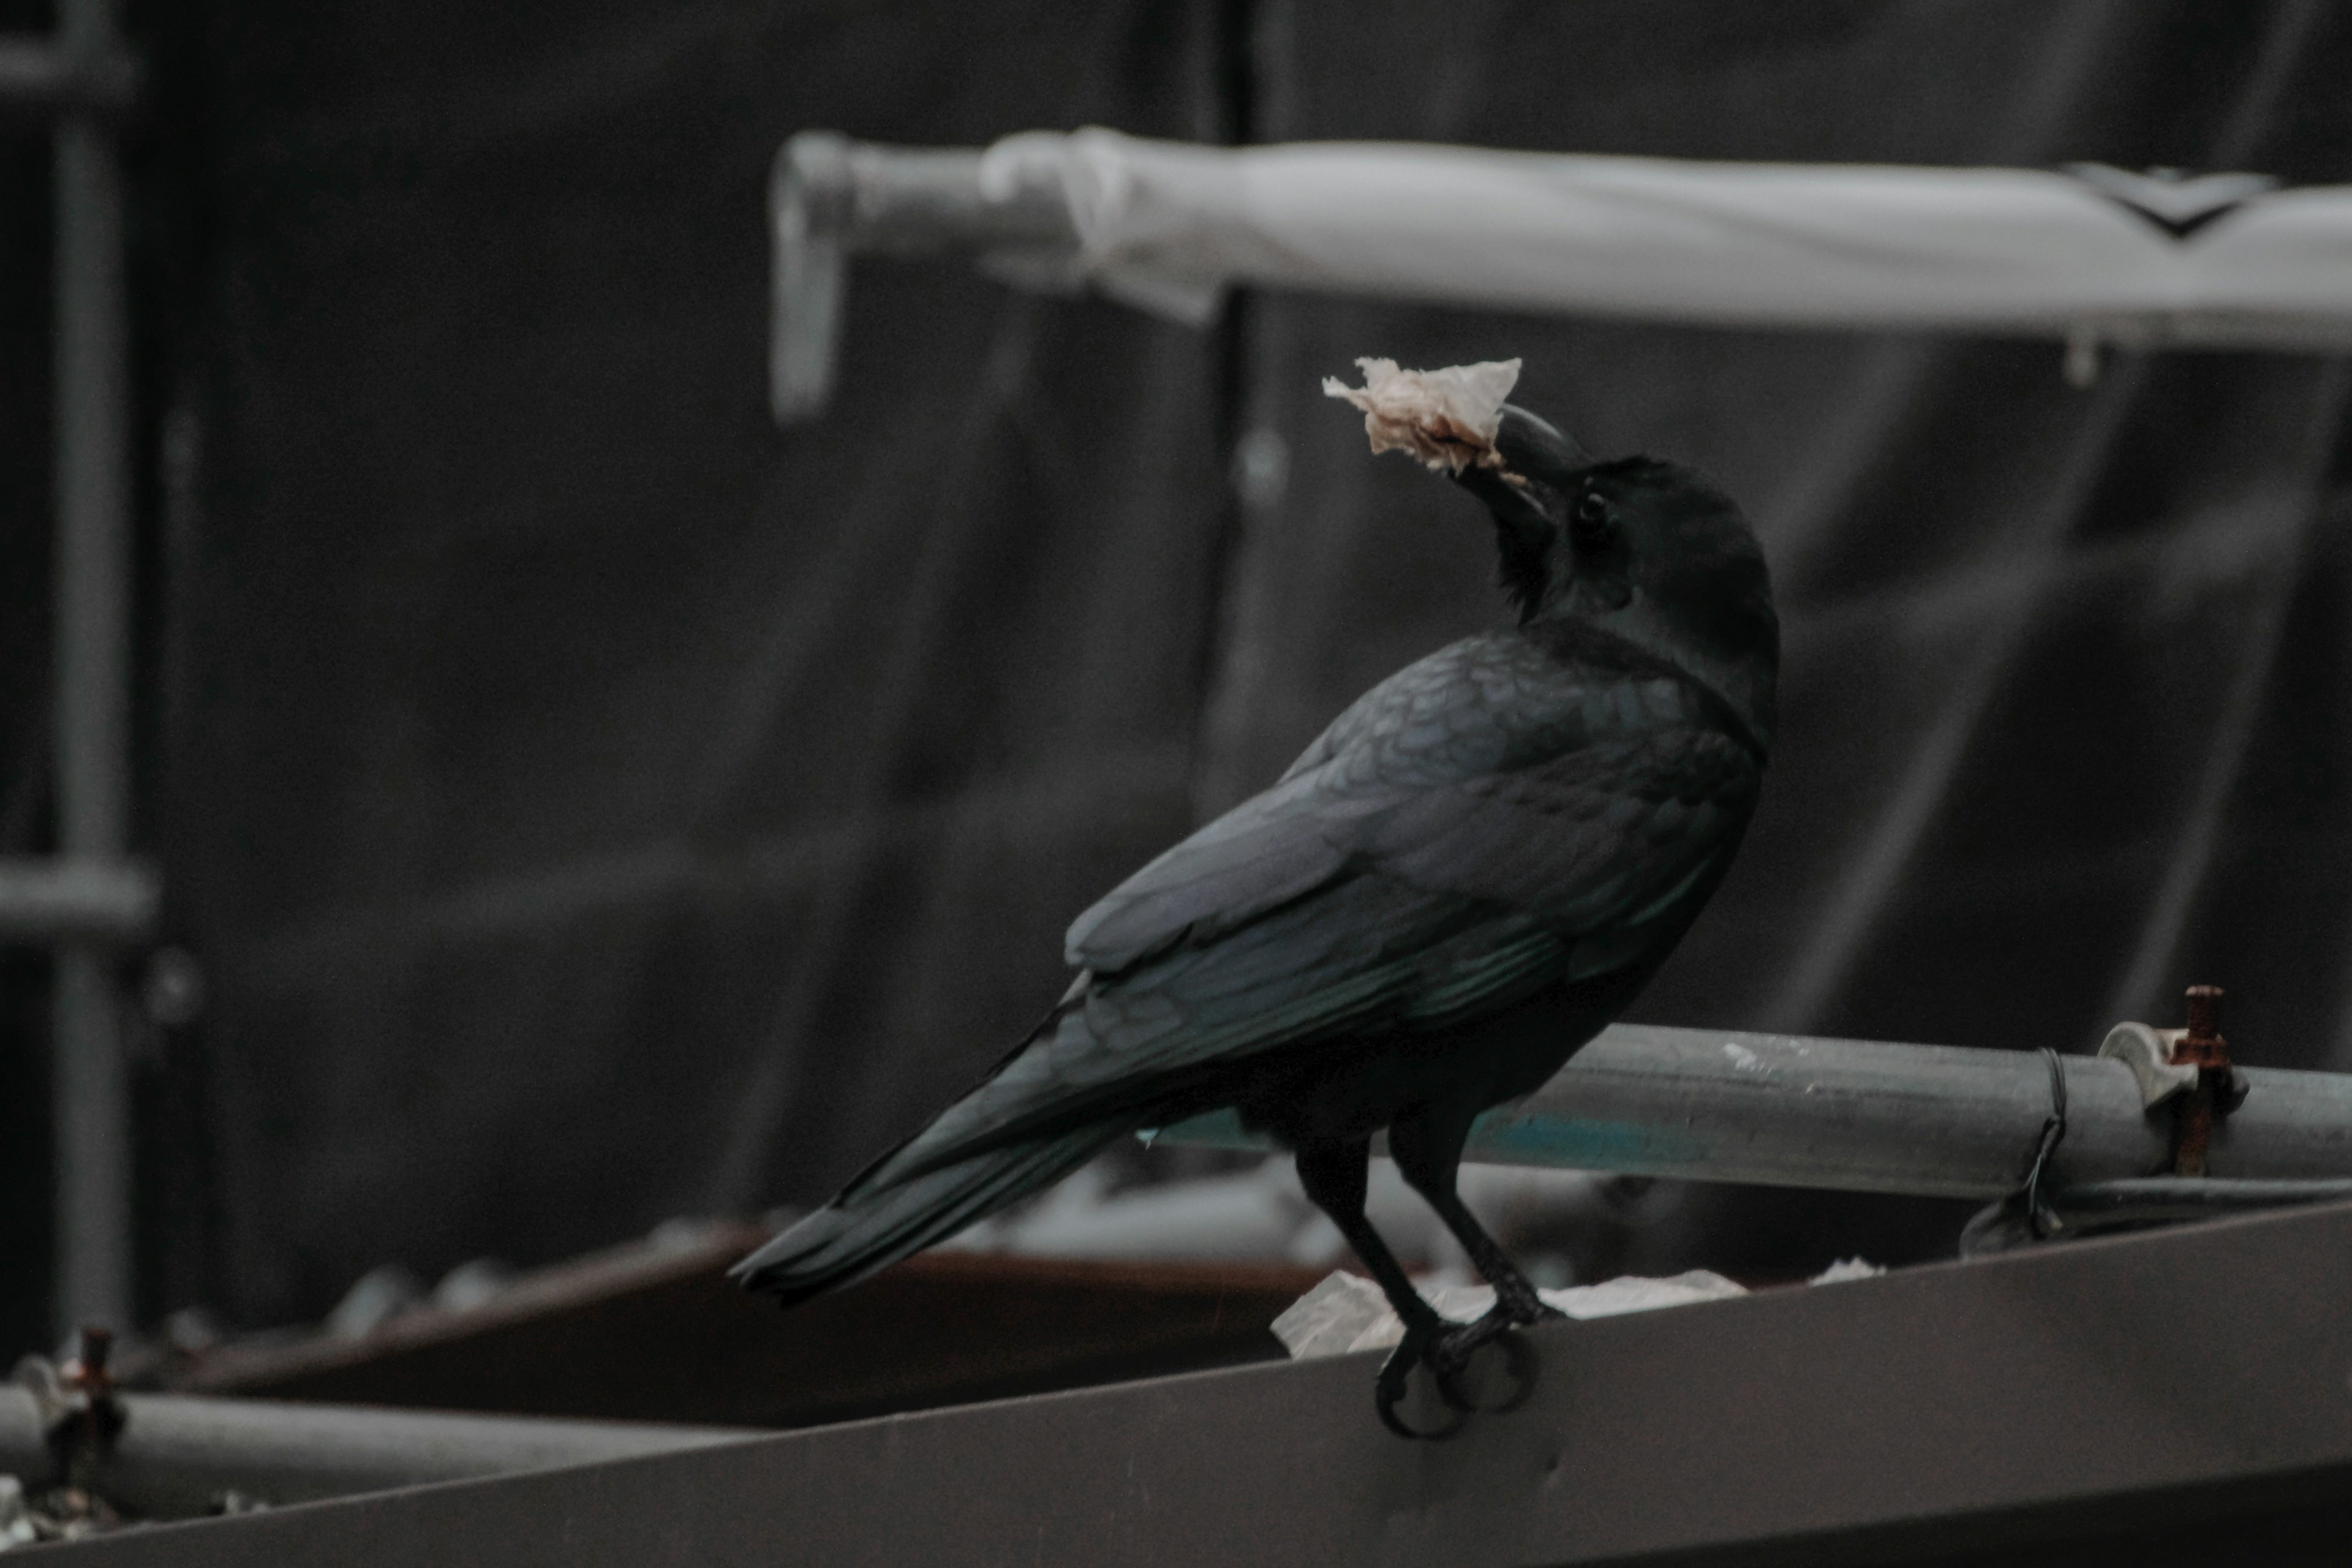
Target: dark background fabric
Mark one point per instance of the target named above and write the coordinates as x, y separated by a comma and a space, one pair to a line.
25, 536
591, 805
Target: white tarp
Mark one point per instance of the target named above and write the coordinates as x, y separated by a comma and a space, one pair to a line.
2095, 253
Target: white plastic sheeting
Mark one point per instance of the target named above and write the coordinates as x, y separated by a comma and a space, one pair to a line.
2092, 254
1347, 1312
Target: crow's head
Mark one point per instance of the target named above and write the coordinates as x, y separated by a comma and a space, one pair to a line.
1649, 551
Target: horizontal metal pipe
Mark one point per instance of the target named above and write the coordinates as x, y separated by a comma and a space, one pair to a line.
38, 77
77, 899
176, 1454
1724, 1105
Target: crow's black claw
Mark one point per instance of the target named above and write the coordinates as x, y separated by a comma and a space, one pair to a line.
1389, 1391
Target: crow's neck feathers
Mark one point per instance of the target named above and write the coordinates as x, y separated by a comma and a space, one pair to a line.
1523, 568
1682, 580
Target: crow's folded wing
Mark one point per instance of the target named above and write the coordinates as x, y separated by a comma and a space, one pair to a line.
1256, 857
1481, 740
1455, 900
1387, 884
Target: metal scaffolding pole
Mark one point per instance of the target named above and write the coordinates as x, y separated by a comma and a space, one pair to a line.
44, 901
92, 684
1874, 1115
175, 1454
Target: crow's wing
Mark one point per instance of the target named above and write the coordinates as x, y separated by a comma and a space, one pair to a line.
1486, 706
1485, 822
1454, 900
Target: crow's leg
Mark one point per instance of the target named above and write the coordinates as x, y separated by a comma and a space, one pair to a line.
1334, 1176
1427, 1147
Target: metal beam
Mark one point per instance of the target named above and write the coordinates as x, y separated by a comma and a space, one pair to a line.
2181, 1391
50, 901
1728, 1105
176, 1454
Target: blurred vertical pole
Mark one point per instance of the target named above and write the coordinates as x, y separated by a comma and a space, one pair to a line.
92, 672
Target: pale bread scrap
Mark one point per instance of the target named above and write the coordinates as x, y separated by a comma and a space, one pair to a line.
1448, 418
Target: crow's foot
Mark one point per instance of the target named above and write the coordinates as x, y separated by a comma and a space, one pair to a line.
1453, 1346
1389, 1391
1447, 1349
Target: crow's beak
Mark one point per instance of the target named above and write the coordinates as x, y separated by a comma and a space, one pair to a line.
1533, 449
1526, 493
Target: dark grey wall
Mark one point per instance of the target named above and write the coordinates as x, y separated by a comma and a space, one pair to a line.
592, 804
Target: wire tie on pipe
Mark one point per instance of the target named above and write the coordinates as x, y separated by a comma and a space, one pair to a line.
2040, 1216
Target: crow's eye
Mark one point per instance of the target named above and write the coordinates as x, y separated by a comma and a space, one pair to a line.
1594, 522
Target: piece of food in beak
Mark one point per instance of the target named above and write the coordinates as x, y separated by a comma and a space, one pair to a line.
1447, 418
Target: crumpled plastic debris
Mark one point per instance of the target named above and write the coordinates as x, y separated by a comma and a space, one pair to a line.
375, 1298
1448, 418
1346, 1311
61, 1513
16, 1527
77, 1407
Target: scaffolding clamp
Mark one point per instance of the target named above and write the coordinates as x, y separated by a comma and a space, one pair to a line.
2189, 1069
41, 78
79, 1413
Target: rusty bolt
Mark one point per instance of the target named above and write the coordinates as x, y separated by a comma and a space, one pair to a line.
87, 1372
2203, 1043
82, 1444
2202, 1047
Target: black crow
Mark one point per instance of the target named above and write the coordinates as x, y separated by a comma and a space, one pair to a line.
1474, 869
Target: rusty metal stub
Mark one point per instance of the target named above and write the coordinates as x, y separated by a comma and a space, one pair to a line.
2202, 1043
95, 1417
2218, 1089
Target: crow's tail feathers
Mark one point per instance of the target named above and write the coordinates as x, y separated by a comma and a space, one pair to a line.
876, 1221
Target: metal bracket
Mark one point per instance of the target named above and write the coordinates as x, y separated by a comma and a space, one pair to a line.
830, 199
79, 1415
78, 899
2189, 1068
2148, 1053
